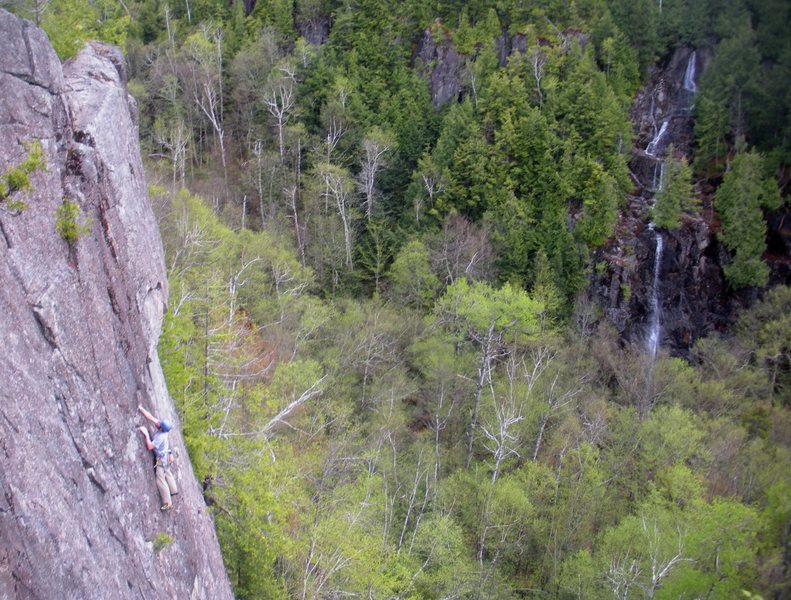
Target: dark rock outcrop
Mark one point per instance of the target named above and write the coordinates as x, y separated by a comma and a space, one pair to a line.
446, 71
442, 66
694, 298
314, 28
79, 509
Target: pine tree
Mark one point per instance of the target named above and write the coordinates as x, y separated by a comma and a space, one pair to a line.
744, 192
675, 195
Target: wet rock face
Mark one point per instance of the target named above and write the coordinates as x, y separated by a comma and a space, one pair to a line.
693, 296
79, 508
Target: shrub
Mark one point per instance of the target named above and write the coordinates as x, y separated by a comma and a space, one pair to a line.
67, 223
15, 179
161, 541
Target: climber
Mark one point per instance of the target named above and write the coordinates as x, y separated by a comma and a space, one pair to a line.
163, 458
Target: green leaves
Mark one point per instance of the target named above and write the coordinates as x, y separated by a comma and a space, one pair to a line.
16, 179
71, 23
69, 222
675, 193
330, 422
481, 311
766, 329
600, 202
670, 437
744, 193
413, 283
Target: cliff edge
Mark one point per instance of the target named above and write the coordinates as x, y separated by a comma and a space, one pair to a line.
79, 324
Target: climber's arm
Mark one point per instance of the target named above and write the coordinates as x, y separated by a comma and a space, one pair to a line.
146, 437
148, 415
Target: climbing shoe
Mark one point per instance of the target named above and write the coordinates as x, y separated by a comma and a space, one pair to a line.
166, 507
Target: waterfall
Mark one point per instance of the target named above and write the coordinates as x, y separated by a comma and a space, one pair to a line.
658, 181
651, 149
655, 321
655, 316
689, 74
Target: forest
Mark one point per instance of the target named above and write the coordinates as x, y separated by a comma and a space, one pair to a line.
390, 376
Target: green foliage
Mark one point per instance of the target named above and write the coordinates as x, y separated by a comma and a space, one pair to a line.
361, 432
440, 543
599, 195
626, 291
745, 192
766, 329
479, 310
675, 195
161, 541
360, 485
16, 179
620, 64
413, 283
744, 92
590, 112
638, 20
545, 290
69, 222
712, 129
71, 23
721, 542
670, 437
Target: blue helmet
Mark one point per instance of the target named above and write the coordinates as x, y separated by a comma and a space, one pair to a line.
165, 425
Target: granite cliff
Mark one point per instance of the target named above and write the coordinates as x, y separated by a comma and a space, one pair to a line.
79, 511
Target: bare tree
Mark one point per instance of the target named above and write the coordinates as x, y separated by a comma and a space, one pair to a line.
292, 187
175, 140
650, 562
622, 575
203, 51
375, 145
538, 60
556, 397
432, 184
337, 185
335, 119
462, 249
250, 67
502, 435
279, 98
661, 564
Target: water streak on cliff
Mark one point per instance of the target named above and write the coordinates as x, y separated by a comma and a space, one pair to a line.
669, 295
690, 73
655, 321
654, 145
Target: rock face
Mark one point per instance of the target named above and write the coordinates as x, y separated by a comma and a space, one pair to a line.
79, 508
445, 70
693, 296
441, 65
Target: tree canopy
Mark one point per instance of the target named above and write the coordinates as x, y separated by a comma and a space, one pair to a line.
389, 380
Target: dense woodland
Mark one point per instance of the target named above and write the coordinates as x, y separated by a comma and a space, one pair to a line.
388, 375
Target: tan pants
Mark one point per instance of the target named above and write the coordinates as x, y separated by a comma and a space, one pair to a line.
166, 485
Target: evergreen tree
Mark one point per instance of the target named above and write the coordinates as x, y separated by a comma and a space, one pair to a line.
745, 192
729, 87
675, 195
